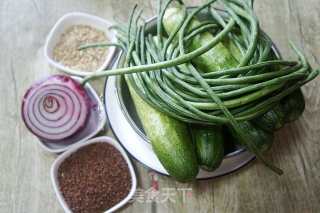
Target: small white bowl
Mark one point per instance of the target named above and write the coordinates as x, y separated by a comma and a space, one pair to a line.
104, 139
96, 122
69, 20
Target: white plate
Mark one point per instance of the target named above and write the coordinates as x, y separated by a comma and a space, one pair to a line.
56, 164
95, 124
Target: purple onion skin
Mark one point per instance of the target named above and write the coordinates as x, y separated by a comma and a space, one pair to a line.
51, 100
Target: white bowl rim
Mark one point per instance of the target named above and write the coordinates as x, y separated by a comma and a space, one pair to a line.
102, 139
102, 123
111, 36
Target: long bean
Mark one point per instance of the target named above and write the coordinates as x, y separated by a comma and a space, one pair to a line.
160, 68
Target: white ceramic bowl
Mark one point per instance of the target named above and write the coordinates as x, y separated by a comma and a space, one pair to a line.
62, 157
95, 123
67, 21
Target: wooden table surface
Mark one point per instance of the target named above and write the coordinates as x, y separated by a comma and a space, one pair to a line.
24, 169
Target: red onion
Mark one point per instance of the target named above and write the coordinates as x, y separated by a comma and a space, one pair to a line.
56, 108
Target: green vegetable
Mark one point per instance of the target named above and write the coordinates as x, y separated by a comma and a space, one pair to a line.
209, 145
170, 140
262, 139
216, 58
293, 106
163, 73
271, 121
290, 109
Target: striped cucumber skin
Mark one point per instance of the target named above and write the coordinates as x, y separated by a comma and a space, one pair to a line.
209, 143
262, 139
170, 140
218, 58
293, 106
272, 120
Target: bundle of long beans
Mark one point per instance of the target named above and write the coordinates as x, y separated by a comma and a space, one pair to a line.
161, 72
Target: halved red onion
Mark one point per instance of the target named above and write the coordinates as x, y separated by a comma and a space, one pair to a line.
56, 108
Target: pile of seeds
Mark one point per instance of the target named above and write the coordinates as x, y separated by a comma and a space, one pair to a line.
67, 49
94, 178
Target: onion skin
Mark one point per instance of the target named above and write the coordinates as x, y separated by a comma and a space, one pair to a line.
56, 108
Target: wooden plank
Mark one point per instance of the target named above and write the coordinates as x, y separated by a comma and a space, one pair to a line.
24, 172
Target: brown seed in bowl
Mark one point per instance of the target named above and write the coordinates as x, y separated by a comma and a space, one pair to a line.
94, 178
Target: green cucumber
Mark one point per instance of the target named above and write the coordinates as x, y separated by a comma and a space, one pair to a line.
262, 139
217, 58
210, 146
293, 106
223, 56
170, 140
272, 120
